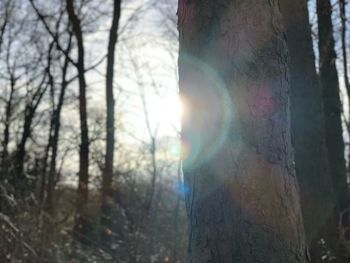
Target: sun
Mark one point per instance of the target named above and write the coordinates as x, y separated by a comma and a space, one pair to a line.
166, 113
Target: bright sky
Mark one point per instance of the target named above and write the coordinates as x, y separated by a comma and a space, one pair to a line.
146, 62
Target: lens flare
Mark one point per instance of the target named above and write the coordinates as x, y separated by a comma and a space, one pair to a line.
209, 111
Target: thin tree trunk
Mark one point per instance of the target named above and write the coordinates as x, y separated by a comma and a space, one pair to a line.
48, 146
332, 105
20, 152
342, 9
29, 113
6, 140
56, 131
44, 165
153, 143
308, 129
82, 194
107, 189
150, 195
242, 203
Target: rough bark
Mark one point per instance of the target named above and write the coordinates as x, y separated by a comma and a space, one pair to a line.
242, 200
307, 119
332, 105
107, 189
82, 194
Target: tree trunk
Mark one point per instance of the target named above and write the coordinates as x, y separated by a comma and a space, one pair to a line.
342, 9
242, 199
29, 113
107, 189
8, 115
21, 147
82, 194
307, 119
48, 146
332, 104
56, 130
43, 181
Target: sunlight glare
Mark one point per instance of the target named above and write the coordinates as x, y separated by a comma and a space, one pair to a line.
167, 111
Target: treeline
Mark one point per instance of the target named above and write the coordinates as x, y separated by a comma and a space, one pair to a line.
127, 206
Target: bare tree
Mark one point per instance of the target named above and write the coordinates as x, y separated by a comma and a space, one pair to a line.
55, 128
81, 220
36, 87
6, 10
8, 110
107, 190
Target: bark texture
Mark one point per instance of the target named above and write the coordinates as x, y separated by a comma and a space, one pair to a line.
242, 198
312, 170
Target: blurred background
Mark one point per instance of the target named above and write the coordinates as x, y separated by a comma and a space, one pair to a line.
51, 208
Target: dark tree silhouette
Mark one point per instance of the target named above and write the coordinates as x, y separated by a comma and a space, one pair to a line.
108, 194
332, 105
81, 224
308, 129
